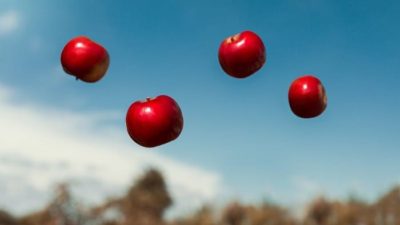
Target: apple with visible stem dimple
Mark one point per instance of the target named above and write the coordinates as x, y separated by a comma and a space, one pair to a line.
85, 59
307, 97
154, 121
242, 55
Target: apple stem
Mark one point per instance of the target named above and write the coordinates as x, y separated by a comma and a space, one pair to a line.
76, 78
148, 99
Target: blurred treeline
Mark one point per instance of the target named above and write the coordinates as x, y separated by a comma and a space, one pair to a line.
148, 199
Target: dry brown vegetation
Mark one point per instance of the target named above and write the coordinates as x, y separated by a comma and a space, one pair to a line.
146, 202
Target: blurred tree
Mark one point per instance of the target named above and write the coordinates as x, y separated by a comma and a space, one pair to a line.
234, 214
319, 212
204, 216
7, 219
387, 209
269, 214
64, 209
351, 212
146, 201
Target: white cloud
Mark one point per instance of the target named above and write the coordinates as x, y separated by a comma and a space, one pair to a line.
40, 146
9, 22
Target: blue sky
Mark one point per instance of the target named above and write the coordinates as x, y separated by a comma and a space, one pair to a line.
242, 130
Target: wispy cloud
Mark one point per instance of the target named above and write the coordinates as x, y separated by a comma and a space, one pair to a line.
40, 146
9, 22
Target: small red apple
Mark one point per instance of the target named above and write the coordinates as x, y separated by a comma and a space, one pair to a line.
85, 59
242, 54
154, 122
307, 97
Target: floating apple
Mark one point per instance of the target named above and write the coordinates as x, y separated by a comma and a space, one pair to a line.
242, 54
307, 97
154, 121
85, 59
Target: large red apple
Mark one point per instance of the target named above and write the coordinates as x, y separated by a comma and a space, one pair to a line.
242, 54
154, 122
85, 59
307, 97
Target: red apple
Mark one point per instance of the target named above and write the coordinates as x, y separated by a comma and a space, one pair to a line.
307, 97
85, 59
242, 54
154, 122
